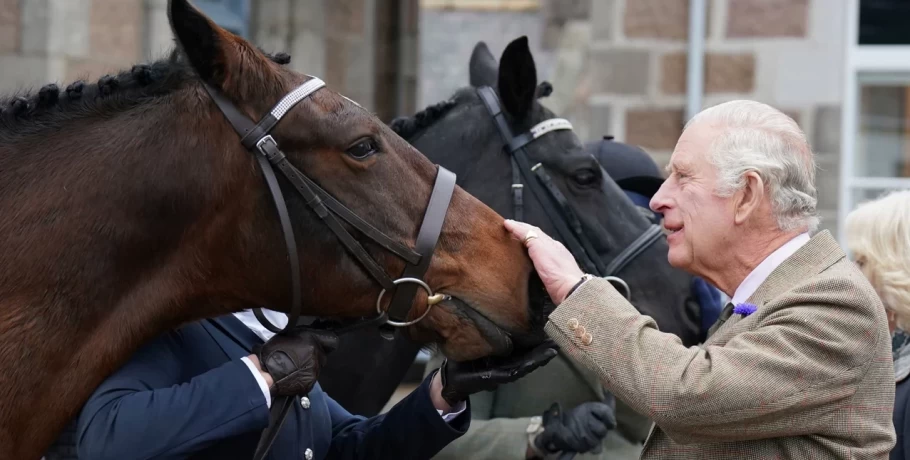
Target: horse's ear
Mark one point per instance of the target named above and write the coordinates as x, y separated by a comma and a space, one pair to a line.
483, 67
517, 78
211, 50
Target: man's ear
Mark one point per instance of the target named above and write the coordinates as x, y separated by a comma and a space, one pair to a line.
749, 200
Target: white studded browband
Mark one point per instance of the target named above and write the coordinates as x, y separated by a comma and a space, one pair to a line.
292, 98
546, 126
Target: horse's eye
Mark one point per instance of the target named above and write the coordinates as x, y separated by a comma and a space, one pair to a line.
586, 177
363, 148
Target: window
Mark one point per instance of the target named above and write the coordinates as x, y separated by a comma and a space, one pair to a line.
884, 22
233, 15
875, 144
883, 137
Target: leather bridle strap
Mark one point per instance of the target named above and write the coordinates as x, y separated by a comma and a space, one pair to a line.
243, 126
427, 238
256, 138
643, 242
521, 163
569, 213
572, 233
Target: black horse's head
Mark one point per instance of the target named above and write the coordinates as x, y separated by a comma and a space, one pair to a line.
596, 217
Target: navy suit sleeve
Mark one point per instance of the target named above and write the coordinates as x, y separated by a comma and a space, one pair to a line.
147, 409
412, 429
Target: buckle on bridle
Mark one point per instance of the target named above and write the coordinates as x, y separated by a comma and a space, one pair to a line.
269, 148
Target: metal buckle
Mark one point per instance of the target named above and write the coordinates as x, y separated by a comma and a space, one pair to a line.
430, 302
268, 148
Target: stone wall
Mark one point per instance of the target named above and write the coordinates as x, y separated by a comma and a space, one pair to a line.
348, 43
447, 38
622, 71
43, 41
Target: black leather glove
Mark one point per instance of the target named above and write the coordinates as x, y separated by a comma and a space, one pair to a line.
295, 360
578, 431
462, 379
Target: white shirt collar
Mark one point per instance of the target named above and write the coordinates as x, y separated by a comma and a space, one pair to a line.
764, 269
249, 320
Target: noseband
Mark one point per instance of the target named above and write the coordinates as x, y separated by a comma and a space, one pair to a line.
255, 137
565, 219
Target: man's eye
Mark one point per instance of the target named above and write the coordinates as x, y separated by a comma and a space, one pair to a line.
363, 149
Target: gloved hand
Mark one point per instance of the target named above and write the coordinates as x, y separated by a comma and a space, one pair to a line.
462, 379
295, 360
577, 431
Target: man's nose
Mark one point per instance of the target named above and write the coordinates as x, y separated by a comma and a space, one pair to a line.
659, 201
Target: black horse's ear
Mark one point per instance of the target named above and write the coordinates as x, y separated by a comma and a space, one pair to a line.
517, 78
207, 46
483, 67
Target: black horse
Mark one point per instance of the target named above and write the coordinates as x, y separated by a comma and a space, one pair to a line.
461, 134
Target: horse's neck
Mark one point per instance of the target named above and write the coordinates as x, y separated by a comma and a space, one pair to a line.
51, 368
101, 252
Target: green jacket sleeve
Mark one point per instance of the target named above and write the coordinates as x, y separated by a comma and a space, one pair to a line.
500, 438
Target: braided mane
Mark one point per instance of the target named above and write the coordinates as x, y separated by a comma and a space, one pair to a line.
407, 127
51, 105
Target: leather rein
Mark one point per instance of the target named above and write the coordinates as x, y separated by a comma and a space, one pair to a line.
565, 218
255, 138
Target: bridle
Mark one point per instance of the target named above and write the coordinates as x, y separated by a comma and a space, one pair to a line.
565, 219
255, 138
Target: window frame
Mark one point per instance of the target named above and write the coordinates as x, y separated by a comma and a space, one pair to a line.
860, 61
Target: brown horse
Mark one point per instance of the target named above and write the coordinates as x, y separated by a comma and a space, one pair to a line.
130, 207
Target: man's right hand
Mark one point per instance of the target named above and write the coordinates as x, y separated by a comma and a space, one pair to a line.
293, 361
578, 431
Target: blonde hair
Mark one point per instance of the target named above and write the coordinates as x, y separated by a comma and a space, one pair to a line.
878, 234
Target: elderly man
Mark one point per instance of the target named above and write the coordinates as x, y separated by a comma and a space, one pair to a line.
799, 363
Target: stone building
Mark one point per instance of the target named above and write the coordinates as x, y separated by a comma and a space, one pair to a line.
840, 68
356, 46
619, 66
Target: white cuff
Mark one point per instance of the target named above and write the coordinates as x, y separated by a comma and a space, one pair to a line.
260, 380
456, 411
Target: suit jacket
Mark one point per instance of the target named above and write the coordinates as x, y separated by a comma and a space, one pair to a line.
808, 375
187, 395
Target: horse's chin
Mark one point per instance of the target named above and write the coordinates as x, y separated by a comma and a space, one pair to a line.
499, 341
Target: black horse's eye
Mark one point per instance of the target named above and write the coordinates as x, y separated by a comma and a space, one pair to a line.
363, 148
586, 177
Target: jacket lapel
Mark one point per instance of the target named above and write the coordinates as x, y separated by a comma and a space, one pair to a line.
234, 338
819, 253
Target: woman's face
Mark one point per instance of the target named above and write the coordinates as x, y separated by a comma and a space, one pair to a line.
863, 267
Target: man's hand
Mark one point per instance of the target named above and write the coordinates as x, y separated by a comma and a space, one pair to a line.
555, 265
578, 431
294, 361
460, 380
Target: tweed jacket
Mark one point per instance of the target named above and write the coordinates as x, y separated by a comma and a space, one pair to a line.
807, 376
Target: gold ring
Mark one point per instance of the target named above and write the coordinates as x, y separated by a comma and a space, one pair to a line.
530, 236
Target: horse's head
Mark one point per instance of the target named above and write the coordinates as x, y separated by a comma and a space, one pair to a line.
364, 165
605, 216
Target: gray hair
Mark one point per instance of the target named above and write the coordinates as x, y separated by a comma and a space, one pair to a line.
757, 137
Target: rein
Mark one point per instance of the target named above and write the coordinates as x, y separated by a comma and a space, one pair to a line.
565, 218
255, 138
